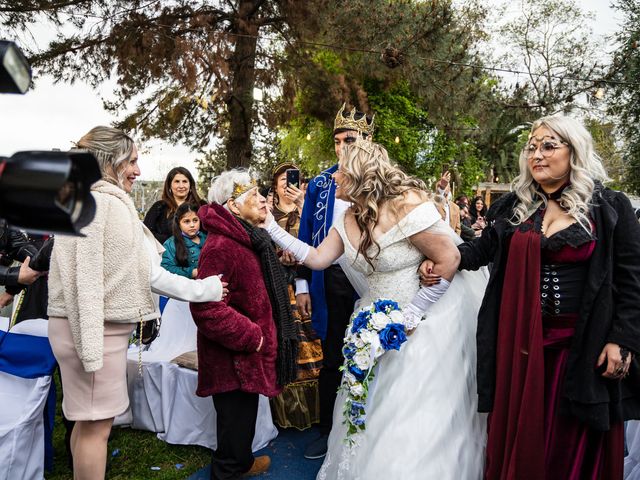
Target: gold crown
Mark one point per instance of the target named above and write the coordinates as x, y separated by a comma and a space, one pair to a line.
350, 123
240, 189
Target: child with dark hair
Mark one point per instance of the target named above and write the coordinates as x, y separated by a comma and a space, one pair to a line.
182, 249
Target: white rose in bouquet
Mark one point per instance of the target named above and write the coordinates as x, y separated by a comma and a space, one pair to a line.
379, 320
362, 360
357, 390
349, 378
358, 341
378, 351
396, 317
368, 337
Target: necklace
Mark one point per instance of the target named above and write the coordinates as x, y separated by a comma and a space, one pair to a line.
556, 194
552, 196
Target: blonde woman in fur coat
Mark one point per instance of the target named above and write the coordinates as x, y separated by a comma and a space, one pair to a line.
100, 286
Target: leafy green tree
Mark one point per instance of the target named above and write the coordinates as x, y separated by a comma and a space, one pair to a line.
188, 68
186, 72
552, 41
498, 136
604, 139
415, 95
625, 98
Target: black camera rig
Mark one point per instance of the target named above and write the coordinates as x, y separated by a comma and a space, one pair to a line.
43, 191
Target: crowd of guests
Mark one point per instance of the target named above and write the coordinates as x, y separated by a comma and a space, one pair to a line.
561, 258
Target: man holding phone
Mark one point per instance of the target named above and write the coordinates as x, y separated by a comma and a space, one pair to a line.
328, 295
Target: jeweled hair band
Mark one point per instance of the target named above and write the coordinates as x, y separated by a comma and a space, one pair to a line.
240, 189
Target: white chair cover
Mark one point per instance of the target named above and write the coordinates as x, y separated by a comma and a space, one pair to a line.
22, 420
164, 401
632, 461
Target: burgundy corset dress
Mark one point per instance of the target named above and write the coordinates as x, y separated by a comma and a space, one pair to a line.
530, 436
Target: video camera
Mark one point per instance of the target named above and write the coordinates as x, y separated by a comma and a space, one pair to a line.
43, 191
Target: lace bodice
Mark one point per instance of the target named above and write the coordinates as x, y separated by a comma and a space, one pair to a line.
396, 267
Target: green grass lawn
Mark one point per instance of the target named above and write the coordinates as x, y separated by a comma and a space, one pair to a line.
138, 452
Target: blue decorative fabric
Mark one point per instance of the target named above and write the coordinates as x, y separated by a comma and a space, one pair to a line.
26, 356
162, 303
315, 223
30, 356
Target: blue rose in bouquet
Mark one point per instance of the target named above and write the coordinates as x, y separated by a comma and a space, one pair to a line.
392, 336
356, 372
385, 306
360, 420
360, 321
349, 350
356, 408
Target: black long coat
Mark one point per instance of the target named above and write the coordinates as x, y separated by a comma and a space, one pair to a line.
157, 221
610, 309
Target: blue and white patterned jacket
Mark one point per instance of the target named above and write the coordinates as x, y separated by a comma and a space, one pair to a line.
315, 223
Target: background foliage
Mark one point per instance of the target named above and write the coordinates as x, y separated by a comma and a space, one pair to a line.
186, 71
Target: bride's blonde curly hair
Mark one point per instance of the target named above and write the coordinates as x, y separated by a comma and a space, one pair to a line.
370, 179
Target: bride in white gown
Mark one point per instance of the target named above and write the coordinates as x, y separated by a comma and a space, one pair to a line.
422, 421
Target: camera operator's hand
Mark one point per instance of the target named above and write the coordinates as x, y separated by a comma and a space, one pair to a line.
27, 274
5, 299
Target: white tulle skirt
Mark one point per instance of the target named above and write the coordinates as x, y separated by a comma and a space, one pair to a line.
422, 420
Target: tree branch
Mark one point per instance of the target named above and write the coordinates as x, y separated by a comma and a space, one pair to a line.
52, 6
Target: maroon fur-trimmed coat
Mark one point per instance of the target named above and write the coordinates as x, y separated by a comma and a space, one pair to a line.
229, 331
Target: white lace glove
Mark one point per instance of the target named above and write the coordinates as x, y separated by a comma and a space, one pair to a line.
286, 241
426, 296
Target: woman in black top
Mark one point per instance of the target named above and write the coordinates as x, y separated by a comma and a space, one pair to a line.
179, 187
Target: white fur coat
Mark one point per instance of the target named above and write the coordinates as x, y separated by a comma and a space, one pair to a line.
103, 276
108, 275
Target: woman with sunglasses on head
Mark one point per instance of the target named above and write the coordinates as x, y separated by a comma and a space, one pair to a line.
101, 284
559, 330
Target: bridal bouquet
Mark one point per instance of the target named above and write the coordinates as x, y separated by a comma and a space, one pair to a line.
374, 330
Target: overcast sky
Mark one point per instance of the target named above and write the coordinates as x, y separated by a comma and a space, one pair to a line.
52, 116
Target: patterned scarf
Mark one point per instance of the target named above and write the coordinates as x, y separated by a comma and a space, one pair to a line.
275, 280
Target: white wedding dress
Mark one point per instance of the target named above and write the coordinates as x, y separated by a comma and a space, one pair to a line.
422, 420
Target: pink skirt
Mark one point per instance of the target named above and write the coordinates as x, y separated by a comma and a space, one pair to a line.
97, 395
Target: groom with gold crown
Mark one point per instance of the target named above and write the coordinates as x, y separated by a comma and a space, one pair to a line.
328, 295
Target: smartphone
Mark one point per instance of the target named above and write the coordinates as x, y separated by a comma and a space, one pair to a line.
293, 177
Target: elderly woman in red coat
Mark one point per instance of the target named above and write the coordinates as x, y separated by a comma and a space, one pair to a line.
247, 344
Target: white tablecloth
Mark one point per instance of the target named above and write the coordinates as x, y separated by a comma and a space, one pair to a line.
164, 401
